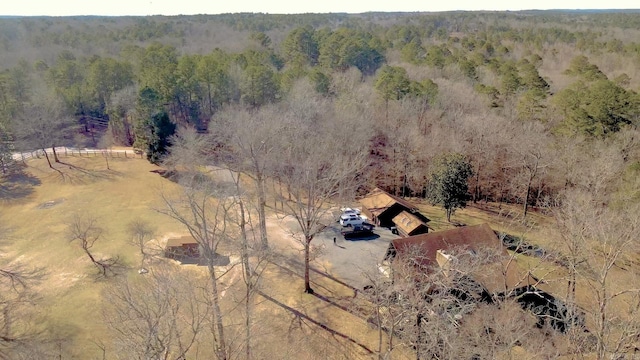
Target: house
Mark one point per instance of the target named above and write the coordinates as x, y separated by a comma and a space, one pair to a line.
382, 207
475, 255
493, 268
181, 248
408, 224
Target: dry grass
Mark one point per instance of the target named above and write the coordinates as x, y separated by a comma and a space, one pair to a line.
36, 223
70, 306
289, 323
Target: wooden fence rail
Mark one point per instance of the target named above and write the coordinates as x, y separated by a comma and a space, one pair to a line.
66, 152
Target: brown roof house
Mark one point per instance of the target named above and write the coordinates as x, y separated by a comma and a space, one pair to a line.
476, 256
382, 207
408, 224
477, 246
182, 248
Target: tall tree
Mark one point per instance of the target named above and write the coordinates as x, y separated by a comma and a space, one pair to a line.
157, 70
300, 47
202, 207
259, 86
597, 241
160, 131
251, 138
43, 124
153, 128
319, 159
448, 184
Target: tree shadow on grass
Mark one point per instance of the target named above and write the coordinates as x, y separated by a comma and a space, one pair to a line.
80, 175
17, 185
303, 317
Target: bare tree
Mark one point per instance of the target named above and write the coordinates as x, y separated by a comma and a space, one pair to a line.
85, 231
43, 124
158, 316
530, 156
598, 243
202, 208
253, 259
18, 334
140, 232
250, 137
192, 156
320, 158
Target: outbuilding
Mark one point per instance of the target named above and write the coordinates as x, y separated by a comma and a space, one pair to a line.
381, 208
182, 248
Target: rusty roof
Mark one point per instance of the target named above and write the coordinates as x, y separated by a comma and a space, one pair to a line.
184, 240
380, 200
466, 237
497, 275
407, 222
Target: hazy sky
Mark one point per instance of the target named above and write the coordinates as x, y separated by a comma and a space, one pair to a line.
188, 7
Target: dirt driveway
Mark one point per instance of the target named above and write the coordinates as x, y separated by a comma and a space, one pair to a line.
351, 261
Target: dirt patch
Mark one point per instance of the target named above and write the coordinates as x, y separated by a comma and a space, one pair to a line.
51, 203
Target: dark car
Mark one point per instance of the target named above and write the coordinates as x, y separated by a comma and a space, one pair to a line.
362, 230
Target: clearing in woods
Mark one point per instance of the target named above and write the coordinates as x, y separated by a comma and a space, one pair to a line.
37, 202
34, 226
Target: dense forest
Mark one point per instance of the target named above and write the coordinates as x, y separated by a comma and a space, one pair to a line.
542, 107
524, 96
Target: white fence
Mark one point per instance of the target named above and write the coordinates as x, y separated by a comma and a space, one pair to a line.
65, 152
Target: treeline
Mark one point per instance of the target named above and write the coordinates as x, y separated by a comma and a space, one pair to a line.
522, 96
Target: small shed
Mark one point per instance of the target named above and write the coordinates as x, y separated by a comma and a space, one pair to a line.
409, 224
381, 207
181, 248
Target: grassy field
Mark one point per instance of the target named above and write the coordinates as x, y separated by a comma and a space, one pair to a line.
34, 226
35, 220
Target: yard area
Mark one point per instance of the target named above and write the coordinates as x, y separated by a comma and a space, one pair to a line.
34, 223
328, 324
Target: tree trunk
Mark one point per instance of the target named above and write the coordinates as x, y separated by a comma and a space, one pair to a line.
262, 203
448, 211
220, 344
307, 284
248, 280
526, 197
476, 194
379, 321
210, 104
55, 154
47, 156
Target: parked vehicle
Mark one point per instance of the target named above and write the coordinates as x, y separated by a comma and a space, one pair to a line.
351, 220
350, 211
362, 230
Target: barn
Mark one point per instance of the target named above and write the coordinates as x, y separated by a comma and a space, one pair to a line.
382, 207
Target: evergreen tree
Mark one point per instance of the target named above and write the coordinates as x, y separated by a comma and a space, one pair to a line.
448, 183
160, 131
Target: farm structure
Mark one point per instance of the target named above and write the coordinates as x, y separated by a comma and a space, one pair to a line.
408, 224
381, 208
182, 248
